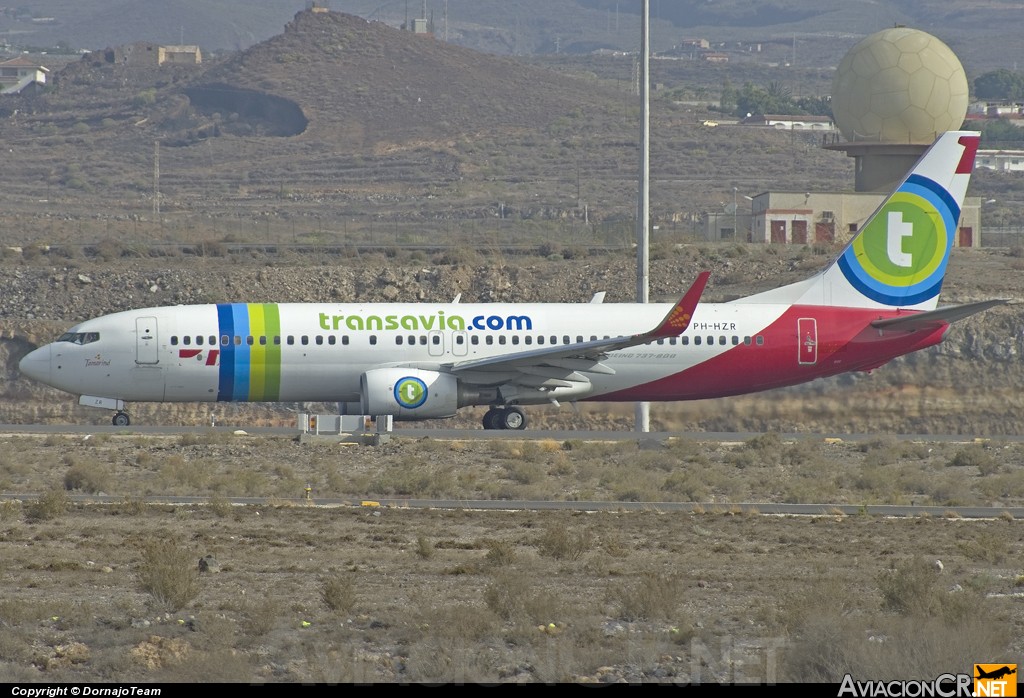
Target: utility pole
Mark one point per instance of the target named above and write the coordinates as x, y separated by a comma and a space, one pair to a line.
643, 208
156, 181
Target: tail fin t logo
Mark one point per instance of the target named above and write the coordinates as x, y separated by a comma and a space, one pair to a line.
898, 229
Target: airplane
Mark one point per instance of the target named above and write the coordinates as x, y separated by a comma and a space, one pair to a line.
877, 300
995, 673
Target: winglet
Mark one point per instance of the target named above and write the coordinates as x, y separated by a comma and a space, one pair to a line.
678, 319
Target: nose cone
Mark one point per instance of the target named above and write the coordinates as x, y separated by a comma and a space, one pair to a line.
36, 364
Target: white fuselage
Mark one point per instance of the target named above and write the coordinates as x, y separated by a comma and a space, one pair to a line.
317, 352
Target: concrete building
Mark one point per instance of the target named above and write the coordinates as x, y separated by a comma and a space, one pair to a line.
1001, 160
808, 218
17, 73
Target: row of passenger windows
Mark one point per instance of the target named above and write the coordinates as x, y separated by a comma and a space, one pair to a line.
460, 339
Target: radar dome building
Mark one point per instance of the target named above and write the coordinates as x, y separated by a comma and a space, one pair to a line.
894, 92
899, 85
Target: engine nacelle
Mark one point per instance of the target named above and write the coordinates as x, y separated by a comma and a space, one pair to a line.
408, 393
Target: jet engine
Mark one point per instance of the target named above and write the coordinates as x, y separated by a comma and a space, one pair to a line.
408, 393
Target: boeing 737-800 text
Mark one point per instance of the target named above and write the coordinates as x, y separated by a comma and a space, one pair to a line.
876, 301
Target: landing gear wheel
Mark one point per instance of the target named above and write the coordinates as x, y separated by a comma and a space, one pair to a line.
121, 419
512, 418
491, 419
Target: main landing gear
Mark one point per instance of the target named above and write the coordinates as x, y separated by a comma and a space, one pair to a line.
121, 419
504, 418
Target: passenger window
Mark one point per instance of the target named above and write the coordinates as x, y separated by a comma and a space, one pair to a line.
332, 340
474, 340
319, 340
721, 340
540, 339
423, 340
249, 340
501, 339
696, 340
515, 339
263, 340
460, 340
304, 340
554, 339
199, 340
238, 340
488, 340
277, 340
565, 339
735, 340
435, 340
225, 340
579, 338
746, 340
291, 340
213, 339
760, 340
685, 340
711, 340
344, 339
174, 341
661, 341
528, 339
186, 340
373, 340
399, 339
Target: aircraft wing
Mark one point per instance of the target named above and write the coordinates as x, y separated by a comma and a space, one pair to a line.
935, 318
565, 365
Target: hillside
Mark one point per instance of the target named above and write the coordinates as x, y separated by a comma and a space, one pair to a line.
983, 33
339, 125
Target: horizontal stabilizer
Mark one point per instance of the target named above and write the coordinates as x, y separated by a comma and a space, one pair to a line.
935, 318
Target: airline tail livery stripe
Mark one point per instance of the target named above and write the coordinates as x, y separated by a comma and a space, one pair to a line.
249, 371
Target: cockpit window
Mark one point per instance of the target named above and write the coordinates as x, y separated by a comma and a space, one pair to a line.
79, 337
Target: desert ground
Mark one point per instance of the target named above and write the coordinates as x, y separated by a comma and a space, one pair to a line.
289, 590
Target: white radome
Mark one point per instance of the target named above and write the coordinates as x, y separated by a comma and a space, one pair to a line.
899, 85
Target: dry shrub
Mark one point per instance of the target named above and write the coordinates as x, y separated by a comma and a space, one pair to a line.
9, 509
513, 596
500, 553
651, 597
917, 589
561, 543
338, 592
87, 476
975, 457
424, 548
168, 573
51, 504
830, 646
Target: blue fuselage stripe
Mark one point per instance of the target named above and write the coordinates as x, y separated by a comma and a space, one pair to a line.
226, 378
240, 314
